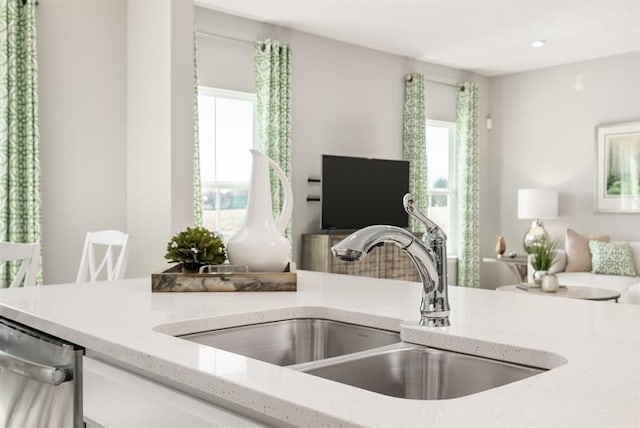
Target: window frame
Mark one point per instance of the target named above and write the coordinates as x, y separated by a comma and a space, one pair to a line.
235, 95
452, 189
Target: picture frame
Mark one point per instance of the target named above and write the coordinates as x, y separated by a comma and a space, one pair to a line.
618, 168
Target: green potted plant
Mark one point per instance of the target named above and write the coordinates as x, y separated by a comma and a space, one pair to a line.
195, 247
543, 255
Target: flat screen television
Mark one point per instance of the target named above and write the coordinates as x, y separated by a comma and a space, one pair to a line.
359, 192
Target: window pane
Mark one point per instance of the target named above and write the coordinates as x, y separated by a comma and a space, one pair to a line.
439, 211
224, 209
234, 138
437, 138
206, 128
226, 135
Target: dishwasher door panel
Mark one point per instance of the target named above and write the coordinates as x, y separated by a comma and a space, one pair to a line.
40, 379
34, 404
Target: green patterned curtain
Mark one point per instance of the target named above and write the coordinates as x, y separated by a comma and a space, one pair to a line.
414, 147
468, 177
273, 89
19, 151
197, 182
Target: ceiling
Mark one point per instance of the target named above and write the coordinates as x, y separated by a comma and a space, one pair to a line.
490, 37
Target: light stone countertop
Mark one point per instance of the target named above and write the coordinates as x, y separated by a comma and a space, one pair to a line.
594, 347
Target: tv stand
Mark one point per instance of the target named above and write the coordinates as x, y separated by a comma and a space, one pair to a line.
387, 261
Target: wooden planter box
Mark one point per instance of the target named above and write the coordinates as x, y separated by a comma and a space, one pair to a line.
174, 280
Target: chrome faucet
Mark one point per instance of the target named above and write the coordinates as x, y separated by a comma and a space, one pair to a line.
429, 257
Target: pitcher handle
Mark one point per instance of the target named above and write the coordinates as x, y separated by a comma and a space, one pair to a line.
287, 205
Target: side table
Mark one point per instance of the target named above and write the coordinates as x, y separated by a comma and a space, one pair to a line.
517, 265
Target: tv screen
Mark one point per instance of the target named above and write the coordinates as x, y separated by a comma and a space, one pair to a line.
358, 192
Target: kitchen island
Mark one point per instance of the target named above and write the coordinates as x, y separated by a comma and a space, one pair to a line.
592, 349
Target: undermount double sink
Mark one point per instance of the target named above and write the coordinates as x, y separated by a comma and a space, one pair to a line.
365, 357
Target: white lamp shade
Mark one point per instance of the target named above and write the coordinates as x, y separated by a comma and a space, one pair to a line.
537, 204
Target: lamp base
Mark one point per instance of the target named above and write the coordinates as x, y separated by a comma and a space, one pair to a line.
534, 236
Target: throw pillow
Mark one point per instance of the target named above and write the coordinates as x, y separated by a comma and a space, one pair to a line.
577, 248
612, 258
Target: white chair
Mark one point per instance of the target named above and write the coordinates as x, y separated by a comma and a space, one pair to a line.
29, 255
111, 239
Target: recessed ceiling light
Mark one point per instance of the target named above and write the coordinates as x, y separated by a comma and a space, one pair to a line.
538, 43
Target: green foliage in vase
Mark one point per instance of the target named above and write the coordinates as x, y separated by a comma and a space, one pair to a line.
195, 247
543, 255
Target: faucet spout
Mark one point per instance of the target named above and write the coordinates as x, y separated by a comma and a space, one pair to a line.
356, 246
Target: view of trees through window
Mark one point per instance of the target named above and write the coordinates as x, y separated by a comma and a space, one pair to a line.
226, 128
441, 194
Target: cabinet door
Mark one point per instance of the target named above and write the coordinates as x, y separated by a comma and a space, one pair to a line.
113, 397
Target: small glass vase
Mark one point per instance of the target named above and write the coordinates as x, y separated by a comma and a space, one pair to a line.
538, 275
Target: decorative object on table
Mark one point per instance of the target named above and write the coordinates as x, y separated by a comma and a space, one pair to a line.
536, 204
618, 160
550, 283
175, 280
542, 257
261, 244
577, 249
512, 254
501, 246
526, 286
195, 247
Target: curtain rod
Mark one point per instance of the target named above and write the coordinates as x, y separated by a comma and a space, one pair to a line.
222, 36
453, 85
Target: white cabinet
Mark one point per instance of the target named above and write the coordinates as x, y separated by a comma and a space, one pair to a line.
113, 397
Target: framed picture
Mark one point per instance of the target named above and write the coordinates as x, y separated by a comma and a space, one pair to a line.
618, 168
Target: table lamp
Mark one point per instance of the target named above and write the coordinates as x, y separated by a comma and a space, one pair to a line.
536, 204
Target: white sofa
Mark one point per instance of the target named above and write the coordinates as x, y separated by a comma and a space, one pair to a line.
627, 286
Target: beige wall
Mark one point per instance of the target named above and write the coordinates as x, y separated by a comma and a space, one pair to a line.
113, 72
159, 128
543, 136
82, 91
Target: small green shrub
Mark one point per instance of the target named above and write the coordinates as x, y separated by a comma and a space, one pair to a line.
196, 247
543, 255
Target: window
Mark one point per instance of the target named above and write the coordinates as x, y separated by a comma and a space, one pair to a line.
226, 122
441, 179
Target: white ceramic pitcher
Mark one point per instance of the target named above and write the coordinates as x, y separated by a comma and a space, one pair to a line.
260, 244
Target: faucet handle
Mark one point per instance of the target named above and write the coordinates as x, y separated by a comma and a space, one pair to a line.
410, 207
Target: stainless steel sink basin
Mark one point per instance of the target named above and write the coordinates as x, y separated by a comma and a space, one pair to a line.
422, 373
295, 341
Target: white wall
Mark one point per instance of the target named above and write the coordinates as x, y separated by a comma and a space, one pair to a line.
346, 99
82, 84
94, 70
159, 128
543, 136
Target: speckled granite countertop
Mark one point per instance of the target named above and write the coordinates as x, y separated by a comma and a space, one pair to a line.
594, 347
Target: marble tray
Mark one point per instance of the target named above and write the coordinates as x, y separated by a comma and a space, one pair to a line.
174, 280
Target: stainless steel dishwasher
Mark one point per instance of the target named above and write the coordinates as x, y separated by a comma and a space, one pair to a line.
40, 379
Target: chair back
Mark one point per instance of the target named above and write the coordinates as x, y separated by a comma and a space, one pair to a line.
112, 265
29, 255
